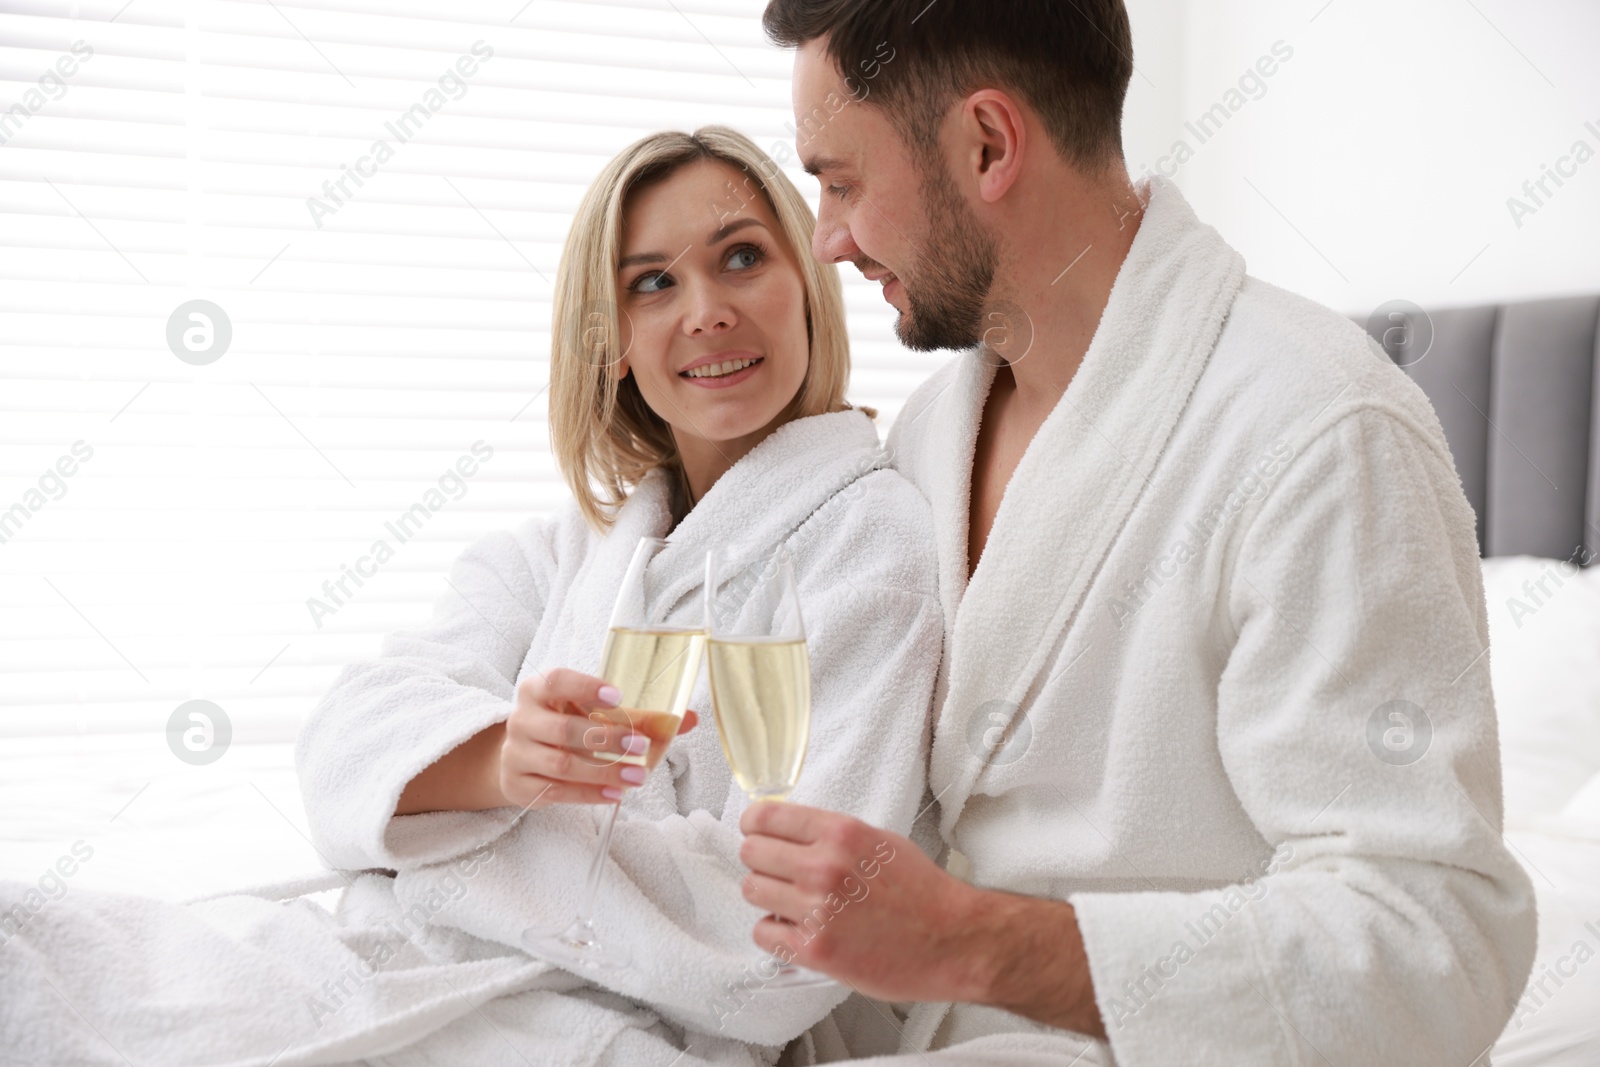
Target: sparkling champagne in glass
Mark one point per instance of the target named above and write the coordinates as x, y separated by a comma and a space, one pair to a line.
761, 691
654, 666
760, 685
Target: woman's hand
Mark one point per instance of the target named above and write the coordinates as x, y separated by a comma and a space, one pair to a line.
561, 721
543, 754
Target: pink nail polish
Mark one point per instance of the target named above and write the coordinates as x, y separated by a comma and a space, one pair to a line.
611, 792
610, 695
633, 775
636, 744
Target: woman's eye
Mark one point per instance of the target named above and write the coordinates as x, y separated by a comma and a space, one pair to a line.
650, 283
745, 257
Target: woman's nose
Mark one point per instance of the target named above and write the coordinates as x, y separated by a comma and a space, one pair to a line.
709, 312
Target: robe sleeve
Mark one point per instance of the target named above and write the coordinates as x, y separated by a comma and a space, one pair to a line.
673, 891
430, 689
1356, 724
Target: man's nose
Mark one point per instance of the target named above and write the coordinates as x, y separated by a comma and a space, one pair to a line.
831, 241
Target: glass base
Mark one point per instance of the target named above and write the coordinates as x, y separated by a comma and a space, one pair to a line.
577, 948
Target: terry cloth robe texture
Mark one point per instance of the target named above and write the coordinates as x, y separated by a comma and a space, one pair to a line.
422, 962
1219, 679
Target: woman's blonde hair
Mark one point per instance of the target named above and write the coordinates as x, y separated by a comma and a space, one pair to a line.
604, 435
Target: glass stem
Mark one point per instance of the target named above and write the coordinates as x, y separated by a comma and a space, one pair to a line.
597, 869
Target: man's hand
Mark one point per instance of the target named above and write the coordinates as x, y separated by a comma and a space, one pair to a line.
857, 903
868, 908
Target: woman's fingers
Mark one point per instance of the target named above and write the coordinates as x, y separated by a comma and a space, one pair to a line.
531, 791
565, 765
595, 732
562, 738
573, 711
560, 686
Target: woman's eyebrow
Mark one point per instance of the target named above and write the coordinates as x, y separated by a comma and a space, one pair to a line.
732, 227
717, 235
641, 257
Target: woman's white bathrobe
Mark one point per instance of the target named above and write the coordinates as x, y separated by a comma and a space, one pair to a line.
429, 962
1234, 543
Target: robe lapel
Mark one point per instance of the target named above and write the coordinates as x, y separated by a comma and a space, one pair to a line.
960, 408
764, 497
1080, 477
771, 491
585, 613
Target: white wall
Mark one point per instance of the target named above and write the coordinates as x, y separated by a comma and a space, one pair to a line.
1391, 140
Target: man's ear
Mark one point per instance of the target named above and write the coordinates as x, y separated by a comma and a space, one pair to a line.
997, 139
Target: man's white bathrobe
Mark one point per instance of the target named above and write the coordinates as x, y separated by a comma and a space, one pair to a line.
424, 966
1170, 687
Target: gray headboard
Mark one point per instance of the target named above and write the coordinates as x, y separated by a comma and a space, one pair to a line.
1517, 389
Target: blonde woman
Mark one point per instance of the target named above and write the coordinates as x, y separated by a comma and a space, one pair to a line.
698, 369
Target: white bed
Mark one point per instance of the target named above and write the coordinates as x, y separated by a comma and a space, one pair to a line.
161, 827
150, 824
1546, 670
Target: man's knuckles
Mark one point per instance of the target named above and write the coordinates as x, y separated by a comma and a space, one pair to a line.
843, 833
825, 872
823, 951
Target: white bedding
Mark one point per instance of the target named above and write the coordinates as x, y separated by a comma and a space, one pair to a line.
151, 824
1544, 658
163, 828
1557, 1021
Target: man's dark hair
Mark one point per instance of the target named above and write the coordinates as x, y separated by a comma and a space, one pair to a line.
1070, 60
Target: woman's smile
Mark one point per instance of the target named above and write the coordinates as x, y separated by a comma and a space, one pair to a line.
722, 369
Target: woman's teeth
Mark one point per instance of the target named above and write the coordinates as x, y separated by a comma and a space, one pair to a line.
719, 370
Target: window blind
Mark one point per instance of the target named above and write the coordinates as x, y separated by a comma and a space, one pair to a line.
276, 290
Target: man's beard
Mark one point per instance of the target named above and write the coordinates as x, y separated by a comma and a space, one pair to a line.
951, 274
